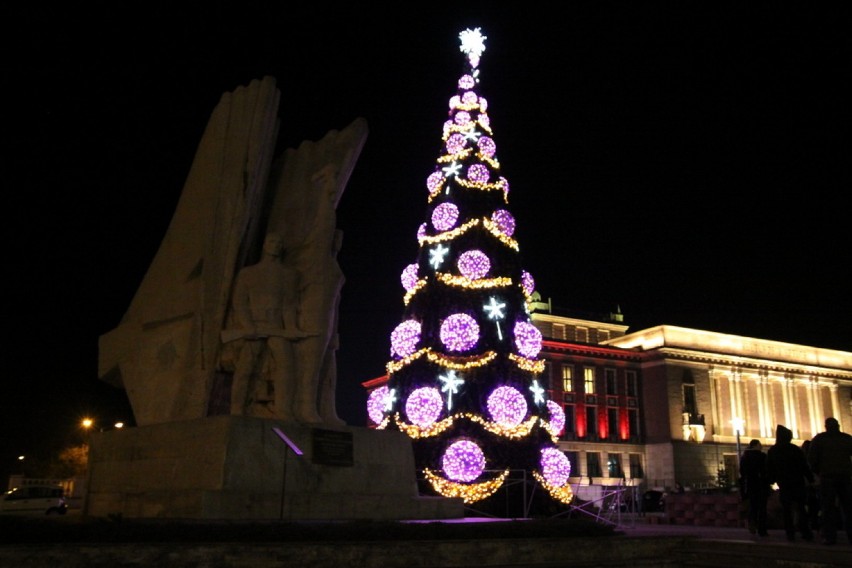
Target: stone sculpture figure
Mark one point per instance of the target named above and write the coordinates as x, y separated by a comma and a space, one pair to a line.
320, 282
328, 373
169, 351
265, 313
166, 349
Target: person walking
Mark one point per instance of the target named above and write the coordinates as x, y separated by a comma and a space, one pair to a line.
812, 501
830, 458
788, 467
754, 486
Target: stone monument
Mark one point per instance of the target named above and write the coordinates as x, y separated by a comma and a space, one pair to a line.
228, 348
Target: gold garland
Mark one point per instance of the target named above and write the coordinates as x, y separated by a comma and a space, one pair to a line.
563, 494
469, 492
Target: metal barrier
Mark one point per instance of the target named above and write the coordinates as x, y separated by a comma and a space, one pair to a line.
615, 505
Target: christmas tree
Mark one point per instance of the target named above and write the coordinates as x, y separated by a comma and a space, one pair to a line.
464, 381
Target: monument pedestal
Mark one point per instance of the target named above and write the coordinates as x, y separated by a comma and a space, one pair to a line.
238, 467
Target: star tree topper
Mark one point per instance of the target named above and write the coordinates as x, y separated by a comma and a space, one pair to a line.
472, 45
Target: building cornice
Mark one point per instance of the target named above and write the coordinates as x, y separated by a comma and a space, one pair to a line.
591, 350
550, 318
695, 344
745, 363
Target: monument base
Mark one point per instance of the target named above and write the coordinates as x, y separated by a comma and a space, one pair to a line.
238, 467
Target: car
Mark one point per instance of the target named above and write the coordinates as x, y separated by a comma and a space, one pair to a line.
34, 500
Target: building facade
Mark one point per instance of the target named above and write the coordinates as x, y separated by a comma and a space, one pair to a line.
669, 406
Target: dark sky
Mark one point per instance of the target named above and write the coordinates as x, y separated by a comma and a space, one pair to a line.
687, 162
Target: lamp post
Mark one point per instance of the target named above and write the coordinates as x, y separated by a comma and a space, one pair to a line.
738, 428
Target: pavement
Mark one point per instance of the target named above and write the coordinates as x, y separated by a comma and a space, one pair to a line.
635, 527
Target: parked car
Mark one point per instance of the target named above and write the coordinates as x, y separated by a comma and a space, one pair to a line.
34, 500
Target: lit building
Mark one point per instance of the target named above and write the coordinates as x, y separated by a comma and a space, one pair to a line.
662, 406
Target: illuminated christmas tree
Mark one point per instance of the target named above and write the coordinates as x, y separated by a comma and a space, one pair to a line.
464, 379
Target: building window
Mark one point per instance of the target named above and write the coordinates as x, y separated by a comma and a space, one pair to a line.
633, 422
574, 460
558, 331
612, 423
591, 423
593, 464
636, 469
603, 335
632, 385
569, 421
567, 378
589, 379
613, 466
583, 334
611, 384
689, 406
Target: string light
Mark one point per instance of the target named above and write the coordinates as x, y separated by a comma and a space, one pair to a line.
460, 363
562, 494
473, 264
437, 254
409, 277
556, 423
463, 460
404, 338
417, 287
459, 156
423, 406
536, 366
470, 493
478, 173
538, 392
464, 282
452, 170
492, 228
487, 146
527, 339
456, 143
516, 432
390, 399
494, 309
472, 45
434, 183
507, 406
459, 332
555, 466
451, 384
377, 403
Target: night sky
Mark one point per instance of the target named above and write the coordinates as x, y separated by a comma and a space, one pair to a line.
688, 165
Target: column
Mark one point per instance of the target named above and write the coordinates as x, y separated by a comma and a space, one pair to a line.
835, 403
715, 398
764, 413
735, 383
791, 410
814, 414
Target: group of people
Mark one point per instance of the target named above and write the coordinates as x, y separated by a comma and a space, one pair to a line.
814, 483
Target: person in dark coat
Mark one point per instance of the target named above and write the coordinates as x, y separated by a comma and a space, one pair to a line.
830, 458
754, 486
788, 467
812, 502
